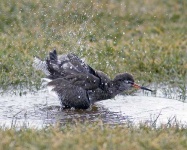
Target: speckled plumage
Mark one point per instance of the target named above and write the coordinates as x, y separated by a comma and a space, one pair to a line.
77, 84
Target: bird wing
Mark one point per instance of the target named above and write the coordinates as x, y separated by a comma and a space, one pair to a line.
83, 80
69, 94
66, 64
71, 68
60, 66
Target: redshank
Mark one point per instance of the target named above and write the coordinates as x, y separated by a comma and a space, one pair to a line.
77, 84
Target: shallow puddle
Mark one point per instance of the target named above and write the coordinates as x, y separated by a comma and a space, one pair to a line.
41, 109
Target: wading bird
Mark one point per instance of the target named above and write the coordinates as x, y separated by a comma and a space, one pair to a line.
77, 84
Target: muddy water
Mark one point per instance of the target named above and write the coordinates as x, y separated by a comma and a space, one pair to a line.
40, 109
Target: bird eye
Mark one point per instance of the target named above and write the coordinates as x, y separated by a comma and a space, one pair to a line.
129, 82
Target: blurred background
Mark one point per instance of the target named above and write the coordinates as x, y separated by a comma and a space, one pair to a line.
145, 38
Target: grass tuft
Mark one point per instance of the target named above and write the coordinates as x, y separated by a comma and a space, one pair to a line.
94, 136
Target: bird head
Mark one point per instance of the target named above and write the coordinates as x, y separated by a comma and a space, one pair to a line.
126, 82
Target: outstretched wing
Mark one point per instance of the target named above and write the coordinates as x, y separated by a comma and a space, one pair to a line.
60, 66
71, 68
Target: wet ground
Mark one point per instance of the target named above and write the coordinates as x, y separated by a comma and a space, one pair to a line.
40, 109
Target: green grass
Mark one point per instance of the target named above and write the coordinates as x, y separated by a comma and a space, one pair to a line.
95, 136
145, 38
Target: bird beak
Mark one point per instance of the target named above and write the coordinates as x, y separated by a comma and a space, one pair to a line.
140, 87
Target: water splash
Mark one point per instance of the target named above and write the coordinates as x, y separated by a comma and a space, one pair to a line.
39, 109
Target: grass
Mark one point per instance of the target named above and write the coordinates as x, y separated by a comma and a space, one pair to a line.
95, 136
145, 38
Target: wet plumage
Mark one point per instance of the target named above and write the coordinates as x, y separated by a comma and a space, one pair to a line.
77, 84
